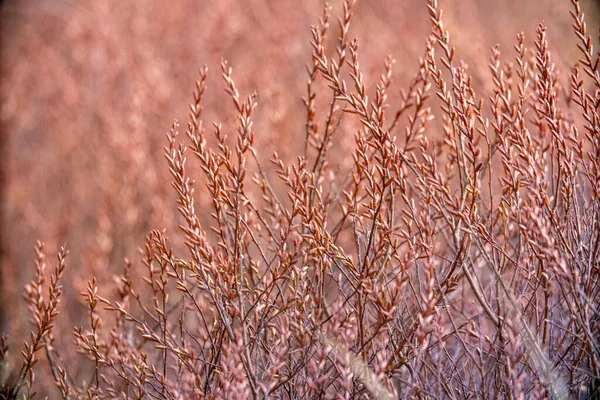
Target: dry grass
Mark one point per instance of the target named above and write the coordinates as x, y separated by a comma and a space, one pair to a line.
435, 240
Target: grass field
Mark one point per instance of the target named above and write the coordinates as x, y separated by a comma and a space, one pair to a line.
369, 199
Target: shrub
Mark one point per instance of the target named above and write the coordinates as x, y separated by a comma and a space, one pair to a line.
453, 254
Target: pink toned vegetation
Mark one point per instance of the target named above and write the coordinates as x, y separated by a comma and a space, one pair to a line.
439, 240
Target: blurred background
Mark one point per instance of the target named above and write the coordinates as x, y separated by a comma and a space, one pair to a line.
88, 90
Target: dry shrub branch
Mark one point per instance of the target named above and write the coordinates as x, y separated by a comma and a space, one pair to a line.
453, 253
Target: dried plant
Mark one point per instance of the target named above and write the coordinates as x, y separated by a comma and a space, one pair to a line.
452, 252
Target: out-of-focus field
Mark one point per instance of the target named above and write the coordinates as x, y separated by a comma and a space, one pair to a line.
89, 89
